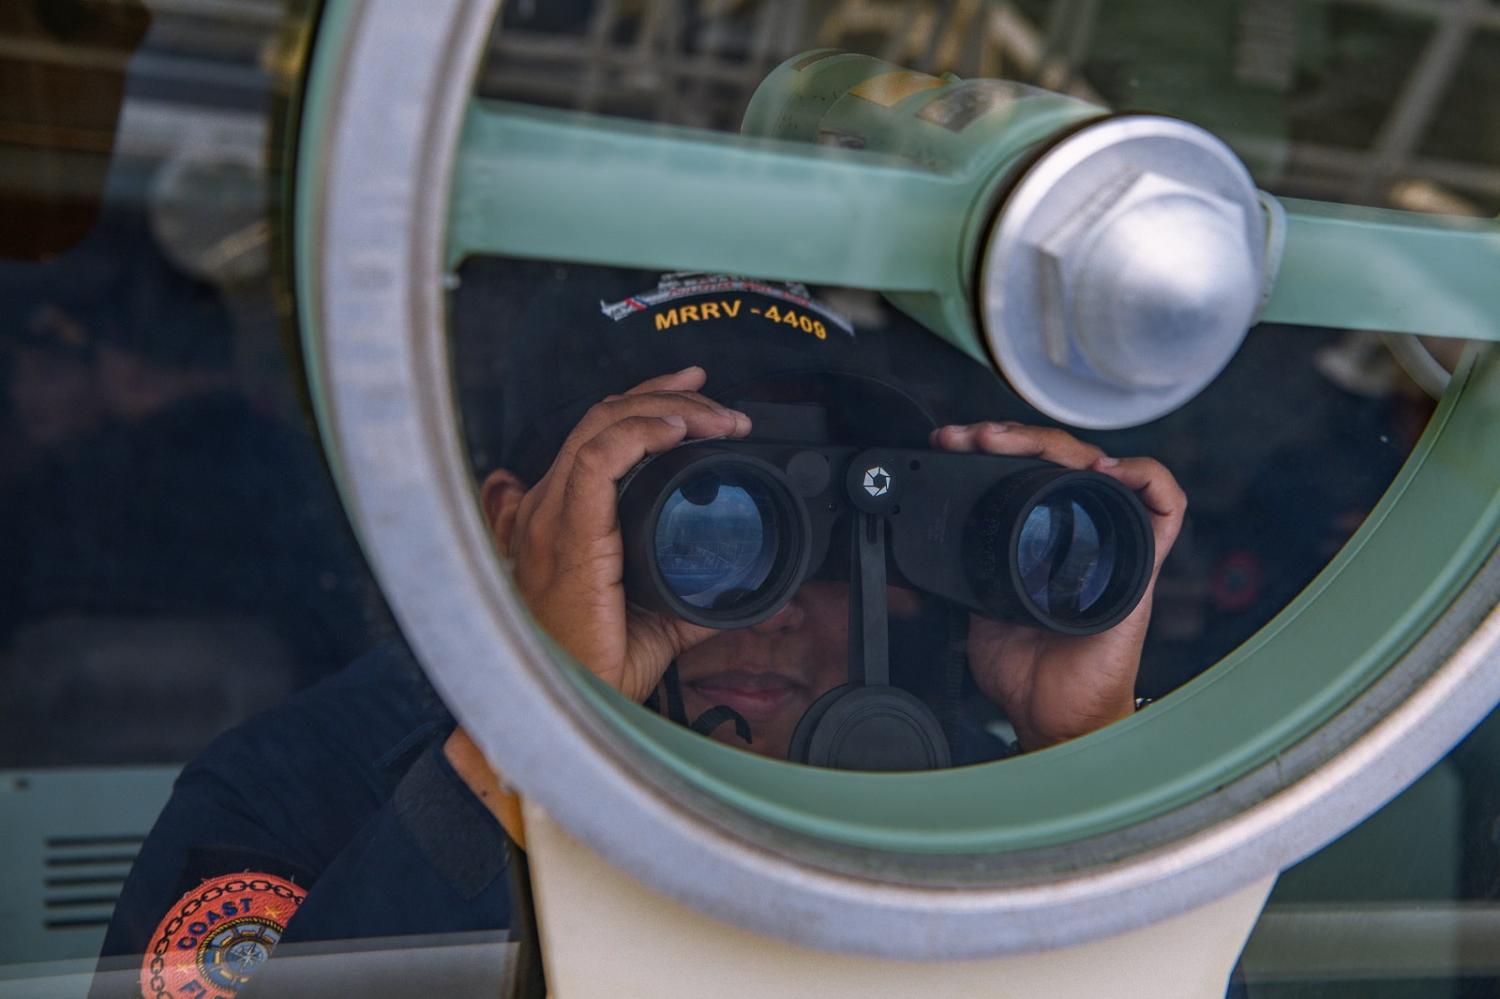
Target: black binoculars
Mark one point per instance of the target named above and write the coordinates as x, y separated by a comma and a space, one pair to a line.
723, 533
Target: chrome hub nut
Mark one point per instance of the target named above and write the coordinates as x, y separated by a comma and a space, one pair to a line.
1123, 271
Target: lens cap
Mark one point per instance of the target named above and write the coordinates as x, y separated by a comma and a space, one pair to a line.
870, 728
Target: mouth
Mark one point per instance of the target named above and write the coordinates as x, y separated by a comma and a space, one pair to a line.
758, 697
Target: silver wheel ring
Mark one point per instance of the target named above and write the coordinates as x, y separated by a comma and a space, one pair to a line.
374, 252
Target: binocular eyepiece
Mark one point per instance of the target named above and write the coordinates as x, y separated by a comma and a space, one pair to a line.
723, 533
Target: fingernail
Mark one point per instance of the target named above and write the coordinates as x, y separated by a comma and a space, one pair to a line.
675, 421
997, 428
1106, 462
690, 367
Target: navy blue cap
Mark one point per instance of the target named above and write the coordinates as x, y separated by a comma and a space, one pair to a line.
537, 343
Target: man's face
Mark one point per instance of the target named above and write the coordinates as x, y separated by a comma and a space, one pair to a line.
772, 672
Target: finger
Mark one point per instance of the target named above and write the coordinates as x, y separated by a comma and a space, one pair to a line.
588, 502
1018, 441
1156, 486
655, 640
958, 437
1159, 493
703, 416
688, 379
686, 636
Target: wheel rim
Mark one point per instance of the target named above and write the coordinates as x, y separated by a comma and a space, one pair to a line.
841, 860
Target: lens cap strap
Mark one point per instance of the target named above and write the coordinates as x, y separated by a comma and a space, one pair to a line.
669, 691
869, 638
717, 715
867, 724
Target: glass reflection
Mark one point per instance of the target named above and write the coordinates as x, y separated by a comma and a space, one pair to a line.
1064, 562
165, 506
173, 556
716, 540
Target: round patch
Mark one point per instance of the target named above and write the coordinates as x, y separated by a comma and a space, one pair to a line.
217, 936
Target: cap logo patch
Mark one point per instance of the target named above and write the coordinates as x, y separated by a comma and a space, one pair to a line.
806, 313
218, 935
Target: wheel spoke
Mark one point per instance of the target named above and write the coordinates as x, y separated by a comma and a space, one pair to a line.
1400, 272
538, 183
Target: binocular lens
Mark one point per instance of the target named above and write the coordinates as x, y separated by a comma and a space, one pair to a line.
717, 539
1066, 554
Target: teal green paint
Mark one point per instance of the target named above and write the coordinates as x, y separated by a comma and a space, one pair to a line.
559, 185
1440, 518
998, 124
816, 105
1401, 272
906, 214
1437, 522
790, 104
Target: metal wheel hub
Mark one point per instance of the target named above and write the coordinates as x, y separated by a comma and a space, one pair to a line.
1123, 271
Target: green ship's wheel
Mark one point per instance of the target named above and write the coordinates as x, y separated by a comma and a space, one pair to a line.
1354, 690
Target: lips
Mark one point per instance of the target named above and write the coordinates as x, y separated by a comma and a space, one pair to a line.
756, 696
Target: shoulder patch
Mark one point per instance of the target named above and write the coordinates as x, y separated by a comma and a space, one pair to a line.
216, 936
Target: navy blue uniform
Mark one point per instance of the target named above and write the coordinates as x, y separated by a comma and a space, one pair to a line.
343, 791
343, 796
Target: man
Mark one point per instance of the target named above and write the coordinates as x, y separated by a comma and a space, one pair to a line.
564, 538
357, 810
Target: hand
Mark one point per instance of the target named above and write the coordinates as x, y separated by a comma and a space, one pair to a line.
564, 533
1057, 687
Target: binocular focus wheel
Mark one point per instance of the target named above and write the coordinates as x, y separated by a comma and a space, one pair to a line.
870, 728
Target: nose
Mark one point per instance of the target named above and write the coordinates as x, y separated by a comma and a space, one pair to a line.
789, 618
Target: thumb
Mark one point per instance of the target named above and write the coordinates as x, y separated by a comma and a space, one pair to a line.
687, 635
655, 640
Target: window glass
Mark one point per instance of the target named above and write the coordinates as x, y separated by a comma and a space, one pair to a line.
1290, 447
176, 553
174, 559
1281, 458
